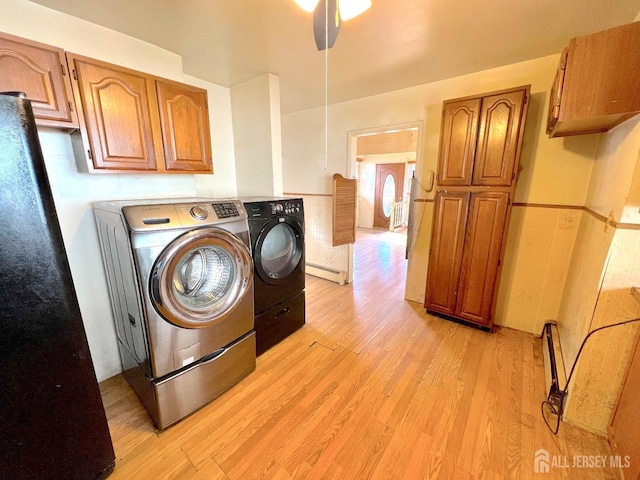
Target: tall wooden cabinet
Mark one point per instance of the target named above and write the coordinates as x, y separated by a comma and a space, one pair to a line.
480, 144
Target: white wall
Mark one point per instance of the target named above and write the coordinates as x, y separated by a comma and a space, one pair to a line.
257, 136
366, 193
74, 192
223, 181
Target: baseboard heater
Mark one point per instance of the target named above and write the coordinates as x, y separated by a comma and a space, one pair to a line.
337, 276
555, 374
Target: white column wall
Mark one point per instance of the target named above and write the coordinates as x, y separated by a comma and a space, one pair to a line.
257, 137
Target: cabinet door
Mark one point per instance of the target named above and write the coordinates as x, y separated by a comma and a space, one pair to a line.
624, 429
483, 243
120, 115
39, 71
555, 97
184, 118
498, 145
458, 141
447, 242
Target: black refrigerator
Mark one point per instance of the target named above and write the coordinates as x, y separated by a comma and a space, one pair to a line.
52, 421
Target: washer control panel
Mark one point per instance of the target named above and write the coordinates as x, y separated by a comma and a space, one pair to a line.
226, 210
164, 216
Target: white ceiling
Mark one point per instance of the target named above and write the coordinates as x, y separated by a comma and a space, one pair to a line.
396, 44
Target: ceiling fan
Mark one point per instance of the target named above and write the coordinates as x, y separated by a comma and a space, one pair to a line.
328, 15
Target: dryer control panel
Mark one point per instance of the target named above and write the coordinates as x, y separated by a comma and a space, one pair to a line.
274, 208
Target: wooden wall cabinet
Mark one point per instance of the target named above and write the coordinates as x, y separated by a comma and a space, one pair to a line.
597, 85
40, 72
132, 121
479, 139
480, 143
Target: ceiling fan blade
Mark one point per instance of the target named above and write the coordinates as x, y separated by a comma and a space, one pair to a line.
326, 24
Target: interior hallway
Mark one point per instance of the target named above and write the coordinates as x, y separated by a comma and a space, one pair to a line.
371, 387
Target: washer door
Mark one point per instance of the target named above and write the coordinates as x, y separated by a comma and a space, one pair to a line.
200, 277
278, 249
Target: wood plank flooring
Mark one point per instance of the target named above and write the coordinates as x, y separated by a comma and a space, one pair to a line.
371, 388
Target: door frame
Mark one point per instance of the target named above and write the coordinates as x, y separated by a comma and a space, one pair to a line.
352, 150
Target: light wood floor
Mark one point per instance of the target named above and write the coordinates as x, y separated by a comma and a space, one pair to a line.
371, 388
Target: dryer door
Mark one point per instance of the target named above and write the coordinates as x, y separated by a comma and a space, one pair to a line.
200, 277
278, 249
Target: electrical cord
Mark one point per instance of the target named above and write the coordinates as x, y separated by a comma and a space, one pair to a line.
556, 399
414, 226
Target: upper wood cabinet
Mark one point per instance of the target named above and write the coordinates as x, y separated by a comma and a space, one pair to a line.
118, 112
132, 121
40, 72
458, 138
501, 125
480, 139
184, 118
597, 85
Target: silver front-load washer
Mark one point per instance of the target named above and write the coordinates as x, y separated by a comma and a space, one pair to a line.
180, 277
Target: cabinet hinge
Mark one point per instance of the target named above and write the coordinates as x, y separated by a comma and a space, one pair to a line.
70, 106
75, 75
89, 154
64, 69
563, 59
526, 99
513, 176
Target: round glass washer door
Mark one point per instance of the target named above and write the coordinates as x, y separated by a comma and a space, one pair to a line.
200, 277
278, 250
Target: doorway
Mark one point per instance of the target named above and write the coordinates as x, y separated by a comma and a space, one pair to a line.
378, 157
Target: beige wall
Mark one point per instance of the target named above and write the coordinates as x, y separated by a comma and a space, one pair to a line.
74, 192
603, 269
614, 171
594, 391
552, 172
583, 283
537, 256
